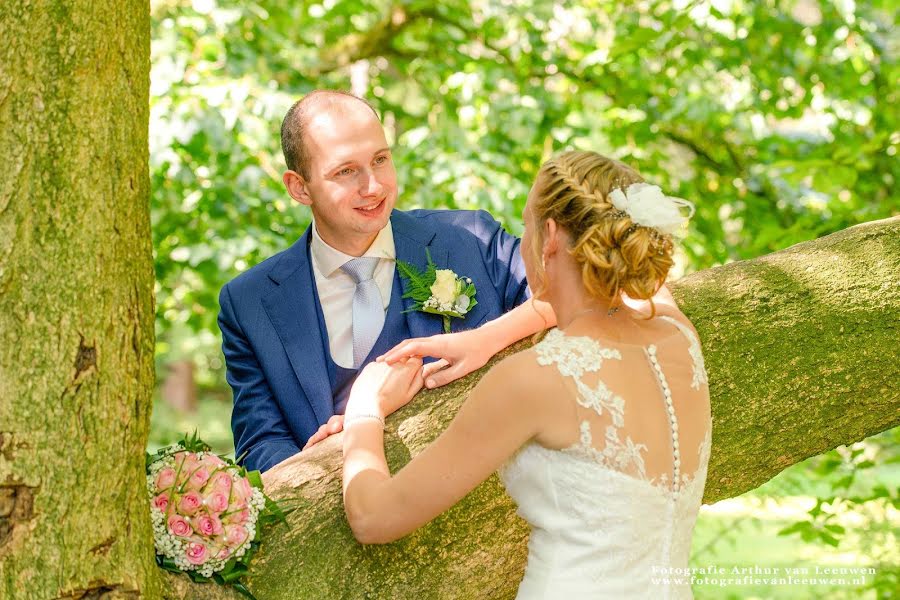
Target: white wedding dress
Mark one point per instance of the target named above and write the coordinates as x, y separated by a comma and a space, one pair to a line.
613, 514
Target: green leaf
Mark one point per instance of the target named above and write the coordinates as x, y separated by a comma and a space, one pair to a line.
794, 528
834, 528
240, 587
255, 479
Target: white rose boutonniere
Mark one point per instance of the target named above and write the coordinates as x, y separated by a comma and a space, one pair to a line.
438, 291
443, 290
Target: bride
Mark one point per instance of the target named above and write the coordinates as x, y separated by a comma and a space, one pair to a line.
601, 431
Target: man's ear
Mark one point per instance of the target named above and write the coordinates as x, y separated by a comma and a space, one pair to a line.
296, 187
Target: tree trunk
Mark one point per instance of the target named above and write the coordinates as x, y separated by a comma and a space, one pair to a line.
76, 300
800, 349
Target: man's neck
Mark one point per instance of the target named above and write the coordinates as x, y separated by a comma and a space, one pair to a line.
352, 246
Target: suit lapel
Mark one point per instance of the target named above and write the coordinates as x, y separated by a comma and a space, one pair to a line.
292, 309
411, 238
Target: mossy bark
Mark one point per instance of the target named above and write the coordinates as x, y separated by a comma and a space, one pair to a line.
800, 349
76, 300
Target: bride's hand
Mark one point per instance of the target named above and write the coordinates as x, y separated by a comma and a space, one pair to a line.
459, 354
382, 387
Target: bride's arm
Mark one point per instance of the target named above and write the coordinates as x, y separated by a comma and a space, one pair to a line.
461, 353
499, 416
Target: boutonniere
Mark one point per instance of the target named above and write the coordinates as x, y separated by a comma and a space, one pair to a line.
438, 291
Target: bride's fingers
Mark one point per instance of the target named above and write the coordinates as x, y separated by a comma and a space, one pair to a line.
444, 376
412, 373
396, 353
413, 347
418, 381
434, 367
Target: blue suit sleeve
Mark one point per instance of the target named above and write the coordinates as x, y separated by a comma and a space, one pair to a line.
504, 263
261, 435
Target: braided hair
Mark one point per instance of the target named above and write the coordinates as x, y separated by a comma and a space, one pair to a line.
615, 254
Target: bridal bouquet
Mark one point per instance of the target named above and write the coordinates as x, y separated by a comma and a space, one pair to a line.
206, 513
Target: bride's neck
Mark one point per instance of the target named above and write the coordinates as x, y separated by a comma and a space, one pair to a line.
570, 307
568, 297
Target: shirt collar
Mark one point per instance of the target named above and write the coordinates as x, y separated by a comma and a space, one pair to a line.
329, 259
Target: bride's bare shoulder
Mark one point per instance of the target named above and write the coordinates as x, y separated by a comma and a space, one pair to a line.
664, 305
521, 372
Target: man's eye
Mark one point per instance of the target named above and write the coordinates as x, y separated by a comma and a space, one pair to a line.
380, 160
344, 172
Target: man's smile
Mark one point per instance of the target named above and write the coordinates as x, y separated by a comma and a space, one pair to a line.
371, 210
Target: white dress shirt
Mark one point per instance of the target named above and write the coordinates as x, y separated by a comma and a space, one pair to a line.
336, 288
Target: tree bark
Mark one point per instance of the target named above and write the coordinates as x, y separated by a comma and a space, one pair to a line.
799, 346
76, 300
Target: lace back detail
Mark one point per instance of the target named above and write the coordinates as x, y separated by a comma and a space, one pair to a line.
607, 511
573, 357
576, 356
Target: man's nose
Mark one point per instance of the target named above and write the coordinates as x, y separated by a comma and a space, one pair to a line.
369, 185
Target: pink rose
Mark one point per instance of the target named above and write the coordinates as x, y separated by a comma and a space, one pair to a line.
208, 526
242, 489
188, 463
223, 554
238, 518
179, 526
184, 459
235, 535
217, 502
196, 553
198, 478
161, 502
213, 461
189, 503
221, 482
165, 479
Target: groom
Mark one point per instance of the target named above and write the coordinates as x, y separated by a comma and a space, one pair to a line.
298, 327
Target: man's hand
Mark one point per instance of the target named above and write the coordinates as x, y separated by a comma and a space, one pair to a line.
334, 425
459, 354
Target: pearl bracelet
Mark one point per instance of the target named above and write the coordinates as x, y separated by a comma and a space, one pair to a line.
348, 419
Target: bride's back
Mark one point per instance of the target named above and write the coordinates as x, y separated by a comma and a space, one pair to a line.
643, 380
613, 482
613, 479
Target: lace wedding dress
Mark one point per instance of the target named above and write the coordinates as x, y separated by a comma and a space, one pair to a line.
612, 515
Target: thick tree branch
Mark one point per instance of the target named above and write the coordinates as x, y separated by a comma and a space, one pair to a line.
800, 349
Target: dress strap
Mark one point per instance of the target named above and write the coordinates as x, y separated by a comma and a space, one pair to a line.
695, 351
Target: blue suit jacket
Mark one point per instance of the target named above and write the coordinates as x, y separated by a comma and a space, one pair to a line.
274, 351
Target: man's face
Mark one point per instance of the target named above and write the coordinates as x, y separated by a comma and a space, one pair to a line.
352, 185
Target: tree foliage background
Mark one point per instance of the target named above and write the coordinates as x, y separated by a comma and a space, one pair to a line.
776, 117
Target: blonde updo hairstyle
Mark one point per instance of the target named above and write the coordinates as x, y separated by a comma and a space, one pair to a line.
615, 254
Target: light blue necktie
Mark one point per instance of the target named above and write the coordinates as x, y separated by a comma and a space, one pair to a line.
368, 308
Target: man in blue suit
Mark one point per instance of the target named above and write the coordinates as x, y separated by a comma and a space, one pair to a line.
291, 345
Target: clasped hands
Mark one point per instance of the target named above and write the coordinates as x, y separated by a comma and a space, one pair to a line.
395, 377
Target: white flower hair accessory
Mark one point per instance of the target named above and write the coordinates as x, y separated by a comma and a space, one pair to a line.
649, 207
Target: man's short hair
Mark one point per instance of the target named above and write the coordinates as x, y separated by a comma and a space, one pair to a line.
293, 127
